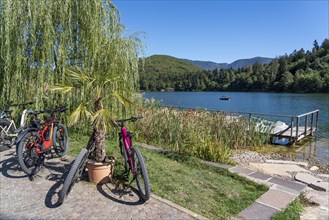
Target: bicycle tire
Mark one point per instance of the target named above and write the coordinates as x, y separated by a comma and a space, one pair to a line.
125, 157
4, 123
73, 175
60, 140
141, 172
28, 159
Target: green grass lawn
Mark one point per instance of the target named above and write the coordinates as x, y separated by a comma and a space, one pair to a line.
210, 191
292, 211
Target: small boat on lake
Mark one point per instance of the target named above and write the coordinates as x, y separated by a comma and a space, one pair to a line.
225, 98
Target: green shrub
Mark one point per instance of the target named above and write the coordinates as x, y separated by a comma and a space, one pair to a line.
207, 135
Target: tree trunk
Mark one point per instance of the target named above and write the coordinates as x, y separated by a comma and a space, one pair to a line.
97, 138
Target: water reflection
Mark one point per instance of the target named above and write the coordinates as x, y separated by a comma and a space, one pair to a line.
310, 150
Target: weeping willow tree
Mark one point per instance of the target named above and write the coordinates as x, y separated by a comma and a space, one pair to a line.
77, 47
40, 38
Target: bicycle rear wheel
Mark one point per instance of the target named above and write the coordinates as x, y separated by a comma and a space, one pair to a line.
140, 173
73, 175
60, 140
29, 160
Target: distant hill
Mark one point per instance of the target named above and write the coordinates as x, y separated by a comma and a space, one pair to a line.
249, 62
168, 65
208, 65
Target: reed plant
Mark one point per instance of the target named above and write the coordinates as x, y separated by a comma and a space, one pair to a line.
207, 135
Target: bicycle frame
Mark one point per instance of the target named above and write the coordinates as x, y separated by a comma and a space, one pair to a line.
12, 122
125, 138
127, 144
6, 129
23, 118
47, 143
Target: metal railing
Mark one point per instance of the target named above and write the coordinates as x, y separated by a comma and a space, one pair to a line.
294, 135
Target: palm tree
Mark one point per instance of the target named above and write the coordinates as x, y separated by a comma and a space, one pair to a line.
96, 93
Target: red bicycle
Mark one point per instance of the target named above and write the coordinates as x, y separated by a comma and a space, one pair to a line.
39, 139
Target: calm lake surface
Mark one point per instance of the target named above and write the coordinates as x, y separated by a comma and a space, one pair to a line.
269, 103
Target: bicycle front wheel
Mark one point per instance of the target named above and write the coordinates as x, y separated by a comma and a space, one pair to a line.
140, 174
60, 140
28, 158
125, 157
72, 177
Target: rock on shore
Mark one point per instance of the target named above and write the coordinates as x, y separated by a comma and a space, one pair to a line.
244, 158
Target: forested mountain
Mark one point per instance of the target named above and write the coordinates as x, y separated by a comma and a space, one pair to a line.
169, 64
301, 71
160, 68
208, 65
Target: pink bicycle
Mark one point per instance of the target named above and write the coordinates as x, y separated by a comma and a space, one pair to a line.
134, 162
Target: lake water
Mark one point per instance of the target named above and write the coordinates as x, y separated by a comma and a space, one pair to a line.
269, 103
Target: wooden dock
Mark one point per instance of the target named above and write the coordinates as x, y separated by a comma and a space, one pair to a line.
301, 133
300, 126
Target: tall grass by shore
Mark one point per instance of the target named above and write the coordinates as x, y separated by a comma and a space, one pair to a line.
207, 135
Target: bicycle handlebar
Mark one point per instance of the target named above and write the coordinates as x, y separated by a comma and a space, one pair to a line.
60, 108
50, 111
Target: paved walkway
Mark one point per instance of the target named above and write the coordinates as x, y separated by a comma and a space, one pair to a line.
281, 193
23, 198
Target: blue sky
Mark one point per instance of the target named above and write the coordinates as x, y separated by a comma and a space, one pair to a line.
224, 31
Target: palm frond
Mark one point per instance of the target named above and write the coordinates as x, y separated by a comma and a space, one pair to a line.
102, 118
112, 78
124, 100
81, 113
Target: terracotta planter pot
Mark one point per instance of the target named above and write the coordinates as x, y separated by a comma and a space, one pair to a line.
100, 173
